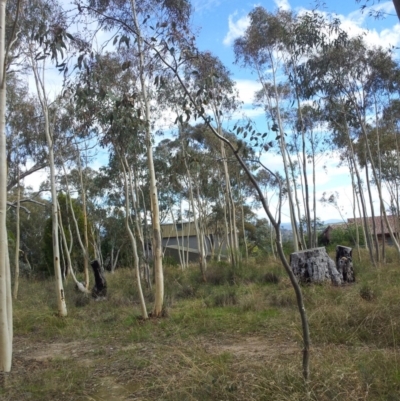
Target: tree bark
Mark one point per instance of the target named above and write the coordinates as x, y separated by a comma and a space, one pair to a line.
344, 263
6, 335
157, 245
17, 242
62, 307
314, 266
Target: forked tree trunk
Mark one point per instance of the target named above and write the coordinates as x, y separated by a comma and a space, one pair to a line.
81, 287
133, 241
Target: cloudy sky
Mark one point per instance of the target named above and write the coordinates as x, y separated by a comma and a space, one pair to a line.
221, 21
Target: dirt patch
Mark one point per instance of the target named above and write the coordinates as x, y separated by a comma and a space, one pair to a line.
255, 347
41, 353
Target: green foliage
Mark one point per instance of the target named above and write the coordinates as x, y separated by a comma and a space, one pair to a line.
77, 257
347, 236
215, 342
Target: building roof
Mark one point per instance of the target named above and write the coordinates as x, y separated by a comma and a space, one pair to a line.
393, 221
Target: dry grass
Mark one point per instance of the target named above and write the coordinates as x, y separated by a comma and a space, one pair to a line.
231, 340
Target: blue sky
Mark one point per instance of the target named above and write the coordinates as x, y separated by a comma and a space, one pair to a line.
221, 21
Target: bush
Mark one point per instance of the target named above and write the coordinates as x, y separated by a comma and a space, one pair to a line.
271, 278
224, 297
367, 293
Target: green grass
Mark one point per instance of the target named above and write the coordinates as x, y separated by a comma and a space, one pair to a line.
236, 337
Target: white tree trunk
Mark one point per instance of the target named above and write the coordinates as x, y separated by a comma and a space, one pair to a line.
39, 81
67, 253
85, 223
155, 214
133, 241
17, 242
6, 330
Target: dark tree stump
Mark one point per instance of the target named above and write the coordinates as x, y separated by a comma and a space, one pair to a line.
99, 290
314, 266
344, 263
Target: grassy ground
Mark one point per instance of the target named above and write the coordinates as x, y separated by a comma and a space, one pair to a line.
238, 337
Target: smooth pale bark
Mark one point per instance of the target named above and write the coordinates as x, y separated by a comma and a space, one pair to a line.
133, 239
282, 146
180, 248
314, 234
299, 235
243, 225
226, 231
67, 253
155, 217
230, 204
17, 242
378, 186
5, 282
368, 238
355, 204
383, 259
138, 225
200, 242
84, 248
60, 294
85, 224
371, 205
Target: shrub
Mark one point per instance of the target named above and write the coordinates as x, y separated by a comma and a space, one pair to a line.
271, 278
367, 293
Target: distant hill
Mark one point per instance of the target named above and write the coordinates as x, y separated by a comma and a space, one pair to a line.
288, 226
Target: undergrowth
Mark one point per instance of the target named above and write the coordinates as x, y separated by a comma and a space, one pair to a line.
236, 336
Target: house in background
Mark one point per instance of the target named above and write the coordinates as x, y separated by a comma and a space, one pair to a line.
382, 231
182, 237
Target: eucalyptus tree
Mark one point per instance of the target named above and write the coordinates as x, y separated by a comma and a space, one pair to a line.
48, 114
262, 49
145, 21
26, 152
6, 329
173, 55
110, 94
387, 154
348, 72
223, 102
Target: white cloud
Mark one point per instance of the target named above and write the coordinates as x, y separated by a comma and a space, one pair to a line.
283, 4
200, 5
236, 28
355, 25
247, 89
